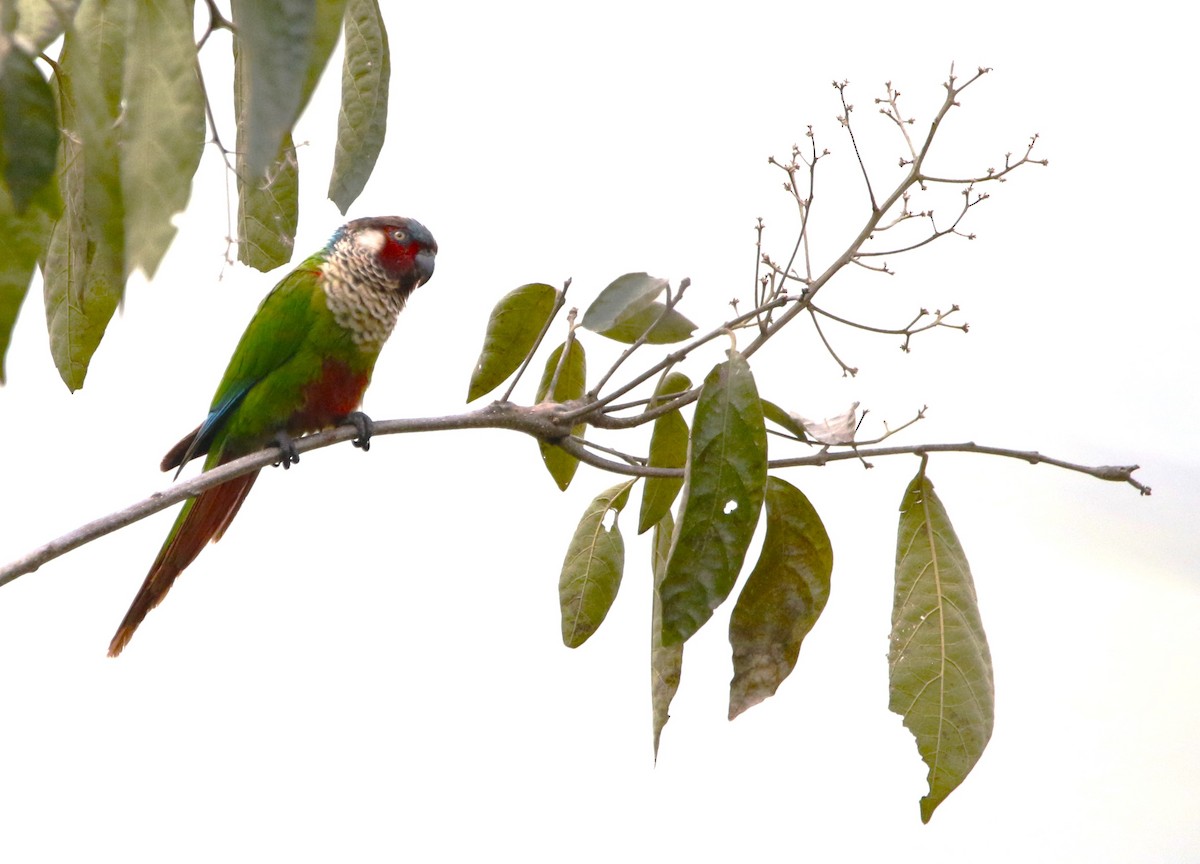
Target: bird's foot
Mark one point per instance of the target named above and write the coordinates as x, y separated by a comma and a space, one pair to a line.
287, 451
365, 426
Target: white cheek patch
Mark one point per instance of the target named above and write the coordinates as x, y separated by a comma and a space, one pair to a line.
372, 239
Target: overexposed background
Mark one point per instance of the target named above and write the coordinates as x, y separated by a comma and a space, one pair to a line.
369, 665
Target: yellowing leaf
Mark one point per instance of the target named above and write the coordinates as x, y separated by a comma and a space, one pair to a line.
782, 598
939, 663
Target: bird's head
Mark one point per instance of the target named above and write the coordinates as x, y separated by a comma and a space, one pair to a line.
398, 249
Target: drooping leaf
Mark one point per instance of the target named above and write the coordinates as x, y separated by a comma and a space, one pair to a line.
722, 497
83, 284
783, 419
668, 449
28, 126
939, 663
782, 598
269, 206
666, 661
512, 329
25, 236
84, 265
569, 384
362, 121
591, 572
273, 39
327, 26
162, 132
268, 213
623, 297
666, 326
40, 22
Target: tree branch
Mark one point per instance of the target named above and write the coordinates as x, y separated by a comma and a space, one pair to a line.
549, 422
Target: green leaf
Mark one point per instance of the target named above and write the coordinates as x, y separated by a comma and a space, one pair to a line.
939, 663
722, 497
666, 661
40, 22
668, 449
362, 122
268, 212
162, 133
83, 283
512, 329
327, 26
591, 572
569, 385
25, 237
625, 296
781, 600
84, 266
28, 126
273, 40
269, 207
783, 419
672, 327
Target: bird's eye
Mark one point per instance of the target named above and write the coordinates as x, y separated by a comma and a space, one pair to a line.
399, 235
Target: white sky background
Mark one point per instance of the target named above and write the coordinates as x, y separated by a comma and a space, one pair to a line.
369, 665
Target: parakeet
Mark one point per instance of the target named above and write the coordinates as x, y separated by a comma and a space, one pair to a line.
302, 365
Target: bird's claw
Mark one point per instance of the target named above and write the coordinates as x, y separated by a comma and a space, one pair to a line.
365, 427
287, 451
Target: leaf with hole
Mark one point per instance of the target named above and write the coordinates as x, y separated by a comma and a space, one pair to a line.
722, 496
939, 663
591, 571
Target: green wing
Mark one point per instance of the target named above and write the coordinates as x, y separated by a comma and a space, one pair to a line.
276, 335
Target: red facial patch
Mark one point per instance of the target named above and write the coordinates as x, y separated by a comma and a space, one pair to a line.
397, 257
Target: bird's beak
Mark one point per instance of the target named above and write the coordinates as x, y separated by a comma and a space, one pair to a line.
424, 266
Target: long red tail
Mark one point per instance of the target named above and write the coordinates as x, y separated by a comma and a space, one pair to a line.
202, 519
